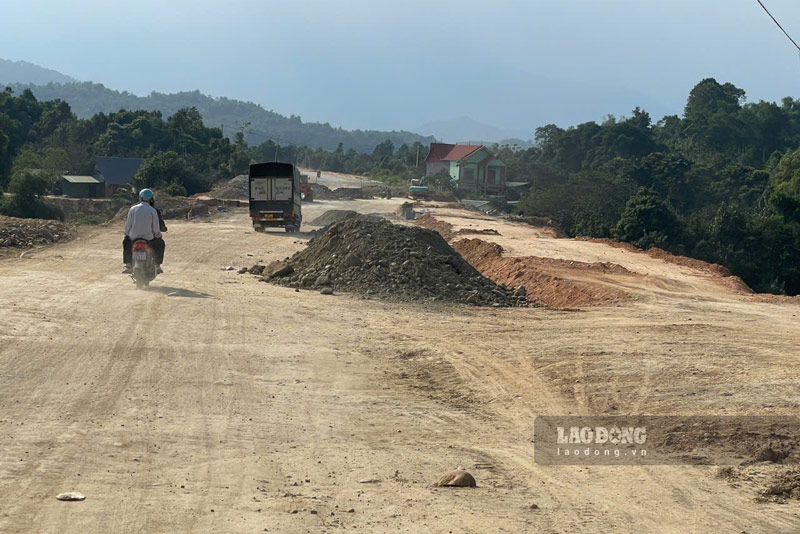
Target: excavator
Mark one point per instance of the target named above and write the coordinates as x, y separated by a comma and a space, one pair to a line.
418, 188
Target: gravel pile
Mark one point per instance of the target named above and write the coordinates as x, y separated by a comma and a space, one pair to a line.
16, 232
237, 188
322, 192
333, 217
377, 258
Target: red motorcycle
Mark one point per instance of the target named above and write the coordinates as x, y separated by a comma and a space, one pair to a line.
144, 265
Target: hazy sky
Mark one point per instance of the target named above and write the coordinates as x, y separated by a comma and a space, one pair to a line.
397, 64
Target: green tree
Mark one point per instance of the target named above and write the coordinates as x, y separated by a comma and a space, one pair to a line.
165, 168
28, 188
647, 221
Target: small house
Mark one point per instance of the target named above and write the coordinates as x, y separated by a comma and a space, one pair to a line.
116, 172
80, 186
472, 167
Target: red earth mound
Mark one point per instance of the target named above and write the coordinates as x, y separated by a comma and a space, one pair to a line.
544, 278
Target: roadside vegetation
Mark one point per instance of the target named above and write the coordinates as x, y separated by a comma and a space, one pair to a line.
720, 183
88, 99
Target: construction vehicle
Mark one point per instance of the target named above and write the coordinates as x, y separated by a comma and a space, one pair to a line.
418, 188
275, 196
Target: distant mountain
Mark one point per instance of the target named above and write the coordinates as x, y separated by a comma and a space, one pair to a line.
23, 72
258, 124
465, 129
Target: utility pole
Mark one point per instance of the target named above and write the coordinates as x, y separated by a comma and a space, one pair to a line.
417, 165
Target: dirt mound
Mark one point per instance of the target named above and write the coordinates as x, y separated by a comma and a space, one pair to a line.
237, 188
444, 229
322, 192
543, 278
351, 193
784, 485
16, 232
479, 231
333, 217
375, 257
86, 210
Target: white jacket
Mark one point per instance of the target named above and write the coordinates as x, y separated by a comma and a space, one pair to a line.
142, 222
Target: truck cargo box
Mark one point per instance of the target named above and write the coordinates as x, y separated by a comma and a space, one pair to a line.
275, 196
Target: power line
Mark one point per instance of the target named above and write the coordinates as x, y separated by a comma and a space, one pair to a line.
778, 24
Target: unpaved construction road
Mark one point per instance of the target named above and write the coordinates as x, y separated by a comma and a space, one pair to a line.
216, 403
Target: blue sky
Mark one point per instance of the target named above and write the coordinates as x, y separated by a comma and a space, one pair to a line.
399, 64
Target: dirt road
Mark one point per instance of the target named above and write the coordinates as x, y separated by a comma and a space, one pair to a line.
216, 403
334, 180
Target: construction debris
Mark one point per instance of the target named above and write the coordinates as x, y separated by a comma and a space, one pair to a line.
322, 192
237, 188
373, 257
333, 217
784, 485
16, 232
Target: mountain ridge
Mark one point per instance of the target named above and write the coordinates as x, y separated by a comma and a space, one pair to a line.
256, 122
26, 72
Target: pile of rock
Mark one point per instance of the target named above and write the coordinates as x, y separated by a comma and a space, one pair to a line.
237, 188
16, 232
322, 192
333, 217
374, 257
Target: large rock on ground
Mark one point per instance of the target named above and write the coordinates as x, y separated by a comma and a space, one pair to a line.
456, 479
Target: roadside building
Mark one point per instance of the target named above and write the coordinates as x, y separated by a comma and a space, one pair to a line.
472, 167
80, 186
116, 172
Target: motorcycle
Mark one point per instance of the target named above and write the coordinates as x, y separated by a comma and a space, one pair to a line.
144, 265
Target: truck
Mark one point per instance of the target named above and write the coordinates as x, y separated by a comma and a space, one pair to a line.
418, 188
306, 194
275, 196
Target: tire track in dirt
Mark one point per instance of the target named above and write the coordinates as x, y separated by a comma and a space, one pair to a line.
44, 477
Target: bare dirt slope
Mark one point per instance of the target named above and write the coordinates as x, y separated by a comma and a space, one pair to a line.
239, 406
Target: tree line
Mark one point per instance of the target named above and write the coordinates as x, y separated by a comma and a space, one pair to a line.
721, 183
87, 99
40, 140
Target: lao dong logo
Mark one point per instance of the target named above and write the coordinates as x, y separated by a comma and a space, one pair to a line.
601, 435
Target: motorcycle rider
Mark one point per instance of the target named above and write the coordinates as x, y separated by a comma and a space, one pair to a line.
144, 222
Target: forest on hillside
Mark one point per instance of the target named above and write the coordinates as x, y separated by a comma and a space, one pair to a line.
258, 124
720, 183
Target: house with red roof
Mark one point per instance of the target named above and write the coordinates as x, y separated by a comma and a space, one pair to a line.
472, 167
